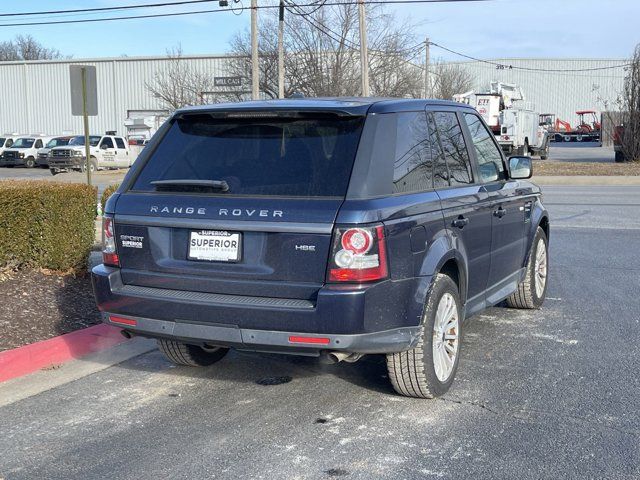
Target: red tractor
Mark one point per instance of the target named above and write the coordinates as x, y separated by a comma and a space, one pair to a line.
588, 121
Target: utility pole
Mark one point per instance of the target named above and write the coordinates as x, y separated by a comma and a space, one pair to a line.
255, 73
364, 61
427, 60
281, 51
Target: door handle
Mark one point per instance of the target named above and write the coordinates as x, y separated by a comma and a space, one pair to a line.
460, 222
500, 212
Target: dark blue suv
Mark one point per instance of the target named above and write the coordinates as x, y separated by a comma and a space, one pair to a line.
324, 227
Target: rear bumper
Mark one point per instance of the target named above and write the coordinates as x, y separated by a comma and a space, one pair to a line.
394, 340
377, 318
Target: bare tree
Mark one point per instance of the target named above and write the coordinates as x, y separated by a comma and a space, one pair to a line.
631, 109
179, 84
25, 47
449, 79
322, 53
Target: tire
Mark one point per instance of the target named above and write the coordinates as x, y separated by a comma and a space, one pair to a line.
29, 162
619, 157
53, 171
190, 355
532, 290
93, 165
544, 153
413, 372
523, 151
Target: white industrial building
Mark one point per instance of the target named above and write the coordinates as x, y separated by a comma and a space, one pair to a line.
36, 94
554, 91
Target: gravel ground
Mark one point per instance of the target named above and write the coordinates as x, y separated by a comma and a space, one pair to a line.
36, 306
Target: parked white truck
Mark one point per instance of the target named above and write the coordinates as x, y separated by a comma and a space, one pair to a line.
42, 160
513, 121
107, 152
141, 125
521, 133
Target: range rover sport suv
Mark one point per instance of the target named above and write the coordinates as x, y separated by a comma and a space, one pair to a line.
325, 227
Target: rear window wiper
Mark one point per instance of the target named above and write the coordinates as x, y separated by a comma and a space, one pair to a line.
191, 186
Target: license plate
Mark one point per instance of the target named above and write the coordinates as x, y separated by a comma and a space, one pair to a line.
215, 246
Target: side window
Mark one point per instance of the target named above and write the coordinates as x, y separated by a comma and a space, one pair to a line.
38, 144
440, 170
454, 148
490, 166
120, 142
413, 163
106, 143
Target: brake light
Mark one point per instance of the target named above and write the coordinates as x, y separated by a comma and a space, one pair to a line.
358, 255
109, 253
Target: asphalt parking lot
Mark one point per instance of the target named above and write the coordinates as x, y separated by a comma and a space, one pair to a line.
539, 394
580, 152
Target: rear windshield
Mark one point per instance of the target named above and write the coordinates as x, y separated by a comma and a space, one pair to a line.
310, 157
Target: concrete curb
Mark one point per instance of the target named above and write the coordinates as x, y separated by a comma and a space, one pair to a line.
581, 180
35, 383
57, 350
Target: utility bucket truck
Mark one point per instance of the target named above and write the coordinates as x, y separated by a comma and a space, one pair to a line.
513, 120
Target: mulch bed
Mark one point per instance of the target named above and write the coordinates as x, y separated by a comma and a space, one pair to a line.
544, 167
35, 306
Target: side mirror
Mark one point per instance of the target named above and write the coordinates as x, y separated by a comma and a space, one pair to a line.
489, 172
520, 168
104, 146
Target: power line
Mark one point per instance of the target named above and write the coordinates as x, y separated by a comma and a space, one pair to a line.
530, 69
105, 9
199, 12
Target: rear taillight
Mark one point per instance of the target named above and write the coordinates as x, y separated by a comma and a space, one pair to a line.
109, 253
358, 254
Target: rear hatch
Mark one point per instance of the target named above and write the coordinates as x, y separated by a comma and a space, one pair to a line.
238, 204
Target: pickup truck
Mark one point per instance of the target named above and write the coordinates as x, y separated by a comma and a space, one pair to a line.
42, 160
107, 152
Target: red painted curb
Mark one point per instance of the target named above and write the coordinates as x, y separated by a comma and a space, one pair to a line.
29, 358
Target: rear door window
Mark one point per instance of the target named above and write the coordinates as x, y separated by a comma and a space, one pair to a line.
120, 143
412, 169
301, 156
454, 148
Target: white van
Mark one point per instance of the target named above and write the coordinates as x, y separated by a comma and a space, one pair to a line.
23, 151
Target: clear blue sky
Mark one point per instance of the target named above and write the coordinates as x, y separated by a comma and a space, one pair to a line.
498, 28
